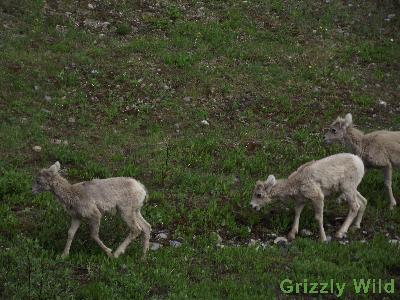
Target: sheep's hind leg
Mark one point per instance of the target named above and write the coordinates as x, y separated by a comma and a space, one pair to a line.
319, 216
387, 172
94, 233
295, 228
75, 223
146, 230
353, 211
363, 204
134, 233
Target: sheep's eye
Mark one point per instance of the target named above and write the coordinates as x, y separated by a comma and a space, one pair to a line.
333, 130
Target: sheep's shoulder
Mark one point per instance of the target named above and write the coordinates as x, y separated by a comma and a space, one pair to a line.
301, 170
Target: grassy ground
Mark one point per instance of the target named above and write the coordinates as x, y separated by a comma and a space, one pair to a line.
127, 97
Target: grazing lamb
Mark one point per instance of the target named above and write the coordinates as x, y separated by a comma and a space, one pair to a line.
336, 174
378, 149
91, 199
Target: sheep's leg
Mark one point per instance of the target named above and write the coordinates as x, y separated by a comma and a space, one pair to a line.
71, 234
387, 172
353, 211
319, 216
135, 231
146, 230
94, 233
363, 204
295, 228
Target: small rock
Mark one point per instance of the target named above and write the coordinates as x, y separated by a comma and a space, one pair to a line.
394, 242
305, 232
56, 141
363, 241
175, 244
252, 242
383, 103
36, 87
155, 246
364, 232
90, 6
47, 98
280, 240
271, 235
71, 120
205, 123
187, 99
345, 242
65, 142
37, 148
162, 236
328, 238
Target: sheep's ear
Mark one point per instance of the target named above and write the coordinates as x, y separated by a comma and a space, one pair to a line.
348, 120
55, 168
259, 183
271, 181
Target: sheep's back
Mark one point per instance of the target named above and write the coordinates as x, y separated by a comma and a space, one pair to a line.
337, 171
114, 192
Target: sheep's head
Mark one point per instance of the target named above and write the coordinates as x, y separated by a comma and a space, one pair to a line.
43, 178
262, 193
337, 130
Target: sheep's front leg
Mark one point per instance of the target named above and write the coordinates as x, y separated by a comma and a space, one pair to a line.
353, 211
387, 172
94, 233
295, 228
75, 223
319, 216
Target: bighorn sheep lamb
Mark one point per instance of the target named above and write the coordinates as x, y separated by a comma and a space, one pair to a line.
378, 149
91, 199
336, 174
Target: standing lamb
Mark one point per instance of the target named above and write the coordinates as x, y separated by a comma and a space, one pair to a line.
313, 181
91, 199
378, 149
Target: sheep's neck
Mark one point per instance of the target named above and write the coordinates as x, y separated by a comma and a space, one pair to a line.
353, 140
284, 189
62, 190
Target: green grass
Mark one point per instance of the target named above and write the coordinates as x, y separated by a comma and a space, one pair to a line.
269, 76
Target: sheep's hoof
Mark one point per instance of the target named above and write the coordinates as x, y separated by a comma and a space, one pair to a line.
291, 236
392, 206
64, 255
340, 235
117, 254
